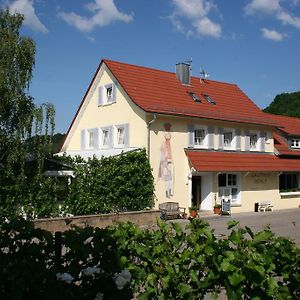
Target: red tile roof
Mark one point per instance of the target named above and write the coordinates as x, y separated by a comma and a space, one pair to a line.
282, 147
161, 92
289, 125
221, 161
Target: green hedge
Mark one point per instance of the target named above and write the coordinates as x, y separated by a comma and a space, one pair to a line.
168, 262
120, 183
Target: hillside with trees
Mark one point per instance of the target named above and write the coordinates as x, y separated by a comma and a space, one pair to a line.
287, 104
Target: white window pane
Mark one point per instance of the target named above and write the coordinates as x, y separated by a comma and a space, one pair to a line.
199, 136
121, 136
227, 139
92, 139
105, 137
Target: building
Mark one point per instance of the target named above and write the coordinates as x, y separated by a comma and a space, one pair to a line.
206, 140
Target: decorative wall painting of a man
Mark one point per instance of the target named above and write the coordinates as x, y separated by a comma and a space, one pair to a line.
166, 166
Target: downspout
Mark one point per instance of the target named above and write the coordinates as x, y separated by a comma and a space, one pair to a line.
148, 127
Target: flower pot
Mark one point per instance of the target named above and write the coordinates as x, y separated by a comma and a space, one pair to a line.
193, 213
217, 210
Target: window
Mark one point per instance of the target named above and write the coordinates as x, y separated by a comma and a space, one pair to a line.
195, 97
253, 140
228, 188
209, 99
107, 94
106, 137
122, 135
288, 182
295, 143
92, 138
199, 137
228, 139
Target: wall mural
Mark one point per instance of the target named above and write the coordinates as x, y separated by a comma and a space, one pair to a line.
166, 166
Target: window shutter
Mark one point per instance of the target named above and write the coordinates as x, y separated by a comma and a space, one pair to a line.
221, 137
263, 141
247, 140
210, 137
238, 138
83, 139
114, 93
126, 129
191, 134
100, 95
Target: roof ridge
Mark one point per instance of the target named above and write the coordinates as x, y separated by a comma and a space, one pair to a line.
164, 71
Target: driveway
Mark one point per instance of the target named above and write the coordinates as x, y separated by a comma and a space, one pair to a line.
282, 222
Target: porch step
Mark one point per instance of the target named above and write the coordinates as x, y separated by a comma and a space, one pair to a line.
205, 213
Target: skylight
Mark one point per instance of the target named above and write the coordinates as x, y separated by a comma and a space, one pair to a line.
195, 97
209, 99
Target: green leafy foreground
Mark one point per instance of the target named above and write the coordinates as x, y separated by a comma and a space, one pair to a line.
168, 261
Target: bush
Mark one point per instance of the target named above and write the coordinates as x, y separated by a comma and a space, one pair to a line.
125, 261
110, 184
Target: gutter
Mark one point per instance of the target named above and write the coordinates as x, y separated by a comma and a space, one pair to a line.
148, 127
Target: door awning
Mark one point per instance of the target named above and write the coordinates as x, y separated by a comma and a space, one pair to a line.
205, 161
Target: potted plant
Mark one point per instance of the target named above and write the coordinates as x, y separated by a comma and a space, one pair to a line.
193, 211
217, 209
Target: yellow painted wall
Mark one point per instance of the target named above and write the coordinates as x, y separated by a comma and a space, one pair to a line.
122, 112
179, 141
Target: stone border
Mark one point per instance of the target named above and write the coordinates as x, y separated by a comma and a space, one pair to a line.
141, 218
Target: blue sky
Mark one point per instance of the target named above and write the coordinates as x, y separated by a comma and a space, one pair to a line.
253, 43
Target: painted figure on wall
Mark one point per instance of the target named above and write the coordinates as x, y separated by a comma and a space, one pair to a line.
166, 167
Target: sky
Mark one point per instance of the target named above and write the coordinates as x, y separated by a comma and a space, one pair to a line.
252, 43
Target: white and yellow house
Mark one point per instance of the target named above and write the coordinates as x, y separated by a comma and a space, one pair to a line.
206, 140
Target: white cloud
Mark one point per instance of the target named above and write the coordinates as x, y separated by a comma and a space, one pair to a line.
273, 6
26, 8
263, 6
286, 18
272, 34
104, 12
195, 13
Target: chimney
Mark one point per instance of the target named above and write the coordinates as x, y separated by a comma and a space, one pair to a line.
183, 71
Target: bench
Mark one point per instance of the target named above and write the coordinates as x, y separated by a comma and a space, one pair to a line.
265, 206
171, 210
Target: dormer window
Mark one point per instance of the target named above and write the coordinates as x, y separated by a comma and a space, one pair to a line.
295, 143
194, 97
209, 99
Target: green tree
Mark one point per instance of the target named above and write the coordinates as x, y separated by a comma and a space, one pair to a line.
19, 116
287, 104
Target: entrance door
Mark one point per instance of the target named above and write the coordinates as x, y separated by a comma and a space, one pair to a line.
196, 191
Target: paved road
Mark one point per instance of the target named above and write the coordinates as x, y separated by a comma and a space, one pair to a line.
282, 222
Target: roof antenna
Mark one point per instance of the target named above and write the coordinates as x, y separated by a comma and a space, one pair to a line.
203, 75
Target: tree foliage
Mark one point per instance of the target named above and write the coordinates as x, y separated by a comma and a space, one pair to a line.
20, 118
127, 262
287, 104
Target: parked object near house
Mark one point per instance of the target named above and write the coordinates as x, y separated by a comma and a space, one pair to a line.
171, 210
206, 140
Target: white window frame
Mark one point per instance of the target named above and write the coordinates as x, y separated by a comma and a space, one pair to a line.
232, 145
125, 128
229, 188
88, 138
104, 97
110, 137
205, 140
295, 143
